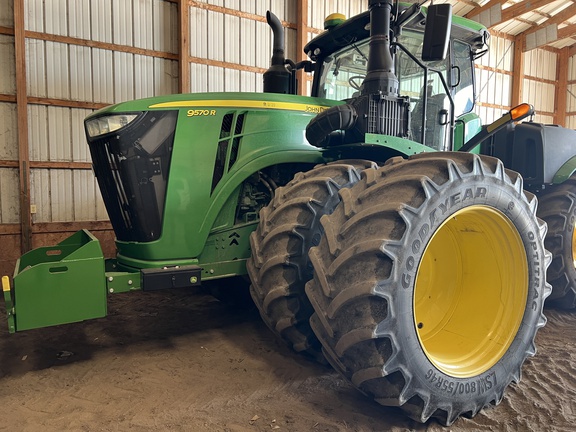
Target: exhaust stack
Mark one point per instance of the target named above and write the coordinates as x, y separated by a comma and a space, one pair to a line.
277, 78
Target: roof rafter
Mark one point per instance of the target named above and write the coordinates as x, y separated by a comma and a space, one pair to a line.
566, 32
510, 12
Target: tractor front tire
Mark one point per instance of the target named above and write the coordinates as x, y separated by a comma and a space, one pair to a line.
279, 266
429, 283
557, 207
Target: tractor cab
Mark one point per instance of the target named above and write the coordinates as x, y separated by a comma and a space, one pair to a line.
430, 94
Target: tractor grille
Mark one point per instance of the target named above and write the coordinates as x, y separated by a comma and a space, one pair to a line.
131, 166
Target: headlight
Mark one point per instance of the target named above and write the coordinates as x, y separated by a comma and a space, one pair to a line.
103, 125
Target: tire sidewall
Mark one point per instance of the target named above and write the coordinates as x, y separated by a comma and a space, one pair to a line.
422, 223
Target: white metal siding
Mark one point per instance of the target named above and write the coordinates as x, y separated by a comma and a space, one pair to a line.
9, 196
63, 195
540, 63
7, 65
57, 70
8, 132
143, 37
571, 99
56, 134
102, 76
101, 22
34, 18
164, 26
571, 96
79, 19
494, 84
7, 13
81, 73
229, 39
122, 22
165, 77
319, 10
56, 18
263, 46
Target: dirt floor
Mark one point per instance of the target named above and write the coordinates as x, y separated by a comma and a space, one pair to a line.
183, 361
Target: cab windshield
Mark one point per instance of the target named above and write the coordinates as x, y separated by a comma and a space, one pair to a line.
344, 71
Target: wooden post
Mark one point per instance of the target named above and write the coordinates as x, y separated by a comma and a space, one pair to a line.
301, 40
518, 68
22, 114
561, 96
183, 46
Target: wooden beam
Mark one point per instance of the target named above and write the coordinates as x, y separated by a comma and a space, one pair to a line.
236, 13
102, 45
65, 103
301, 40
7, 31
511, 12
183, 46
62, 227
518, 68
10, 229
57, 227
561, 96
7, 98
566, 32
227, 65
22, 124
522, 8
48, 165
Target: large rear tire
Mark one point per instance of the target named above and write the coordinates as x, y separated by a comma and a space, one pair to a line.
279, 267
557, 208
429, 283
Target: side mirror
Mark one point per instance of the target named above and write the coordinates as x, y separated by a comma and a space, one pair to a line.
437, 32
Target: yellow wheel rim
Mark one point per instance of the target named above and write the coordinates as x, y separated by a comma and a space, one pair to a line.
470, 291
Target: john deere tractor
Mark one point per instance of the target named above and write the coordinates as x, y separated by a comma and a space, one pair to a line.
382, 227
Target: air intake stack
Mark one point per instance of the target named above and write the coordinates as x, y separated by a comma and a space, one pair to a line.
380, 77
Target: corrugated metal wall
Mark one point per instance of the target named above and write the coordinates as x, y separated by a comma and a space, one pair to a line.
9, 183
79, 55
494, 80
84, 54
68, 70
494, 75
231, 43
318, 10
540, 83
9, 174
571, 97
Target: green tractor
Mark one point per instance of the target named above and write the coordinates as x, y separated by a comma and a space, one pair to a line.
383, 229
